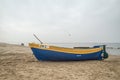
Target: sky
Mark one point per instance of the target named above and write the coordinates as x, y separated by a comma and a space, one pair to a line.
60, 21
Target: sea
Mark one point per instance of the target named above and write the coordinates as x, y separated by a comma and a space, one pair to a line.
111, 48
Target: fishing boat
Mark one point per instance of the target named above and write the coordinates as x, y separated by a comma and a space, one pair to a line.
54, 53
47, 52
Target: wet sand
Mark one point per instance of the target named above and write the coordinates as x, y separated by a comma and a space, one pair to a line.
18, 63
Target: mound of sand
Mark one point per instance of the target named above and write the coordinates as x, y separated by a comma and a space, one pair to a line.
18, 63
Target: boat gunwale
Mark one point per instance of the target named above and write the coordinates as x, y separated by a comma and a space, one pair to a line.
99, 49
64, 49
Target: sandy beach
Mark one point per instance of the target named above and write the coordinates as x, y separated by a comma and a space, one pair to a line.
18, 63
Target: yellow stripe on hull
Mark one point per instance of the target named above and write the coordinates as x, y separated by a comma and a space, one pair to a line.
66, 50
74, 51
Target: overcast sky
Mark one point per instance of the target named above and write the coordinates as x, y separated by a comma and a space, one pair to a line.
60, 20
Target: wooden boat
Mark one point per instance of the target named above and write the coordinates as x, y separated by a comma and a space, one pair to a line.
47, 52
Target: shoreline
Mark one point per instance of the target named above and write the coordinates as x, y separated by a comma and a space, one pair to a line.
18, 63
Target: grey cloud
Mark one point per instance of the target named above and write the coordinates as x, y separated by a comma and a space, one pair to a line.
85, 20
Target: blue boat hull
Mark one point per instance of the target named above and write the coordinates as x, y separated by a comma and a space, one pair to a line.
49, 55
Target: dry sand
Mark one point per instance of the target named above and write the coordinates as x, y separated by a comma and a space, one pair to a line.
18, 63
